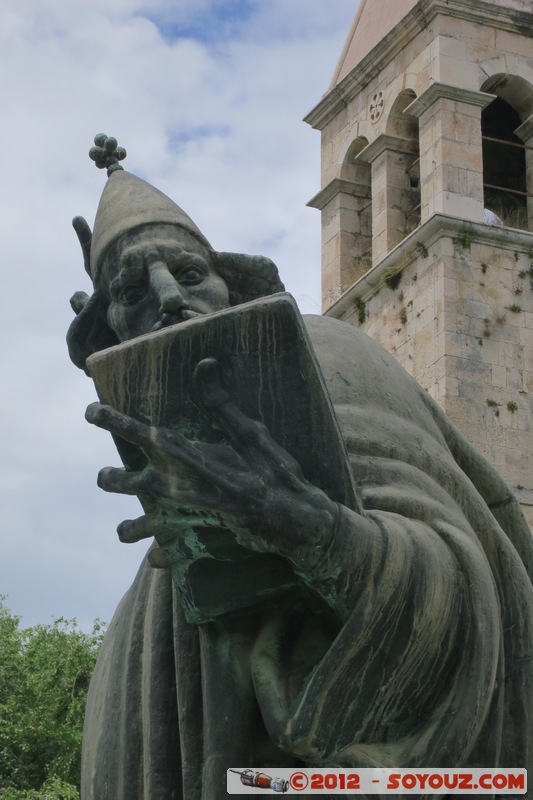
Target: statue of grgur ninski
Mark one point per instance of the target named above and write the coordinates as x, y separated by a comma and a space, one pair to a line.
349, 588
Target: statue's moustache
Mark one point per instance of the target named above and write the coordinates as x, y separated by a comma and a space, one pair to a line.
172, 319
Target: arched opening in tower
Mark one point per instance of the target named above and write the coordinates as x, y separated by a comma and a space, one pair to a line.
356, 223
504, 164
404, 187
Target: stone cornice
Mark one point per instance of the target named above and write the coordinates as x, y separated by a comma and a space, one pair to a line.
383, 142
415, 21
335, 187
436, 91
439, 226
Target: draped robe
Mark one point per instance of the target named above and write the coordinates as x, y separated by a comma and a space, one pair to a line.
423, 659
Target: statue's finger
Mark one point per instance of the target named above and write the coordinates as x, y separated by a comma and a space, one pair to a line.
107, 417
207, 384
78, 301
119, 480
161, 558
133, 530
149, 526
247, 436
210, 394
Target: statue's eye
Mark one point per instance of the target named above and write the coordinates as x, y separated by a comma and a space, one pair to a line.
190, 276
132, 294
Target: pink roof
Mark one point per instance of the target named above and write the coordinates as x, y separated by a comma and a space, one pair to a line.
375, 18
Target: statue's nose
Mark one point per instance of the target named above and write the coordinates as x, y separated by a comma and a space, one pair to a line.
171, 300
168, 291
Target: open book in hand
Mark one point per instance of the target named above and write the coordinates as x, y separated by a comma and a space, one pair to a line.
269, 369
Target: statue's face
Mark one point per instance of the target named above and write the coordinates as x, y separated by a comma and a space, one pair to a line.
156, 276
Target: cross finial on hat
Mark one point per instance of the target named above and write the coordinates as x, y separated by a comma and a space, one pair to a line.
106, 153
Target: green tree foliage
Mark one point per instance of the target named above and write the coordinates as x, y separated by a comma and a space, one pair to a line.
44, 677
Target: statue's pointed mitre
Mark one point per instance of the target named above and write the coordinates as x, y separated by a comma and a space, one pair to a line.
128, 203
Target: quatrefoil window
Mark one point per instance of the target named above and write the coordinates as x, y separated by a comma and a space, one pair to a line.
376, 107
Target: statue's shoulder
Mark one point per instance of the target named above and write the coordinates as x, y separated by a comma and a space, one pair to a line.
356, 368
326, 332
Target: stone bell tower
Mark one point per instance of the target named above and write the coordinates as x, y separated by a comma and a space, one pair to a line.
427, 207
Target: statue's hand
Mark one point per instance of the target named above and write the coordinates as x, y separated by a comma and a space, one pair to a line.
252, 485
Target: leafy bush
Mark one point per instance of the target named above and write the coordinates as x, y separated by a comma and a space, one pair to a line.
44, 677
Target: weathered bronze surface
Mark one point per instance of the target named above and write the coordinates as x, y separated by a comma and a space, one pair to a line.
337, 577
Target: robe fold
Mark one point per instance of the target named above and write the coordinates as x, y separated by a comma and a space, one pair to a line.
424, 658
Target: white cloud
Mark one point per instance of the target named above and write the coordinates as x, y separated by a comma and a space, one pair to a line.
214, 120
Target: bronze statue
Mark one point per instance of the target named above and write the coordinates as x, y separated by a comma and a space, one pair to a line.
400, 631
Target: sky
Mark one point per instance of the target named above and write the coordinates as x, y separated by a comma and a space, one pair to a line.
207, 97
